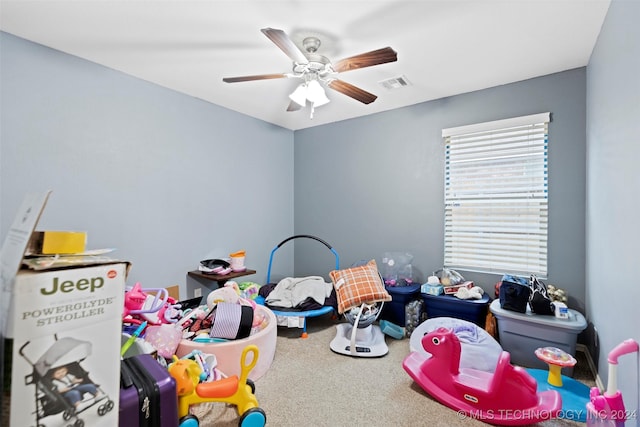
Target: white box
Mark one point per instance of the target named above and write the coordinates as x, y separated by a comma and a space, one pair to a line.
68, 317
73, 318
561, 310
452, 289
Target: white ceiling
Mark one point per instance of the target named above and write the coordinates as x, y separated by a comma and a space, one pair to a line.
445, 47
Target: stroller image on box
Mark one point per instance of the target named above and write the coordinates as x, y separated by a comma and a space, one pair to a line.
65, 355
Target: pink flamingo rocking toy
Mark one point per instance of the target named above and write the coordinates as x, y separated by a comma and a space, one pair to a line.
505, 397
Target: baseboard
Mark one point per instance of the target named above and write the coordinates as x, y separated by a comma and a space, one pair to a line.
592, 366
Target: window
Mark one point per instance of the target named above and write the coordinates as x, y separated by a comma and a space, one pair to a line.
496, 198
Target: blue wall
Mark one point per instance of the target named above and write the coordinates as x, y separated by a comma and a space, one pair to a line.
166, 179
376, 183
613, 189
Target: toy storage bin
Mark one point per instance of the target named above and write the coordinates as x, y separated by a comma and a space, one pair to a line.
405, 308
228, 354
471, 310
522, 333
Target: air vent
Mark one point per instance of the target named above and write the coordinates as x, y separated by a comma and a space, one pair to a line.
395, 82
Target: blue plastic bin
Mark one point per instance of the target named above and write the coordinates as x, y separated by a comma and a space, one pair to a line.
471, 310
406, 307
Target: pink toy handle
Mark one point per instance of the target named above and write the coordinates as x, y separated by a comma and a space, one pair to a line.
612, 395
625, 347
159, 300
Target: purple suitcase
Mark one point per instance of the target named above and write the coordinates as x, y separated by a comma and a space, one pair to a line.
147, 394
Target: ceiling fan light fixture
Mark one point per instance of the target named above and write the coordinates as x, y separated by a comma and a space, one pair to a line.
311, 91
299, 96
316, 94
321, 101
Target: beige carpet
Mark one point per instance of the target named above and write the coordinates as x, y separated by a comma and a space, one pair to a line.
309, 385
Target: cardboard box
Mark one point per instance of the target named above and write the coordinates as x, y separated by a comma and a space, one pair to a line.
427, 288
55, 317
57, 242
451, 290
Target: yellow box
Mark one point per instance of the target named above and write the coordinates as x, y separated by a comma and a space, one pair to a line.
57, 242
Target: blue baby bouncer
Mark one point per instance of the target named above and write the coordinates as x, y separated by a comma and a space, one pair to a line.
302, 314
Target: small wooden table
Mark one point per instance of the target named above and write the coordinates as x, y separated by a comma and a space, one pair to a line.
221, 280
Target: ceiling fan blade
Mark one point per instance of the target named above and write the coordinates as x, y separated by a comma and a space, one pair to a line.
375, 57
256, 77
352, 91
282, 40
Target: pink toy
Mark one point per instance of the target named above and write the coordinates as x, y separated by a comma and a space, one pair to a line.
133, 301
608, 409
506, 397
164, 338
170, 312
140, 306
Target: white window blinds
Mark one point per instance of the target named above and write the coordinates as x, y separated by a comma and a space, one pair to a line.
496, 197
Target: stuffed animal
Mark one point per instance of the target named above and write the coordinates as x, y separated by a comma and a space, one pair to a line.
557, 294
227, 293
474, 293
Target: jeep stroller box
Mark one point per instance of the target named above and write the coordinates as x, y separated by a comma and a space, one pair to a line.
69, 319
62, 319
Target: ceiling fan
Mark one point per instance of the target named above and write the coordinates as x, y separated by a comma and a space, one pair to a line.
316, 70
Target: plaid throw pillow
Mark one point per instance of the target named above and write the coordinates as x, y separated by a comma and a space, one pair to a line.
357, 285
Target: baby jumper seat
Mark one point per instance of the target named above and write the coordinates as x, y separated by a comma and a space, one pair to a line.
361, 296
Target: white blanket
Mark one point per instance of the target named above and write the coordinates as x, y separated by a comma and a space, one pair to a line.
293, 291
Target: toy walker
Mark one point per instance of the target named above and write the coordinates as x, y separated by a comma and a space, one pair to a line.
607, 409
238, 391
507, 396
